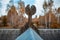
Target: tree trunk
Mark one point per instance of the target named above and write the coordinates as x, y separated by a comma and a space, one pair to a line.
29, 19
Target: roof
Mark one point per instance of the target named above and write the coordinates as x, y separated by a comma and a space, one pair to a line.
29, 34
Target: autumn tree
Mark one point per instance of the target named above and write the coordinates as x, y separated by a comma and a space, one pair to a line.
58, 15
4, 21
45, 6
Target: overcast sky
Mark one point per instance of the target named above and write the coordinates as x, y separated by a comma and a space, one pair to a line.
37, 3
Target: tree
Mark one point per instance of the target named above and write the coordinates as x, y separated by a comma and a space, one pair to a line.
30, 11
45, 6
50, 4
4, 21
11, 2
12, 16
8, 6
58, 15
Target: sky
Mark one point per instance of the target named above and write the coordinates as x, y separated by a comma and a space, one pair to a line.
37, 3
